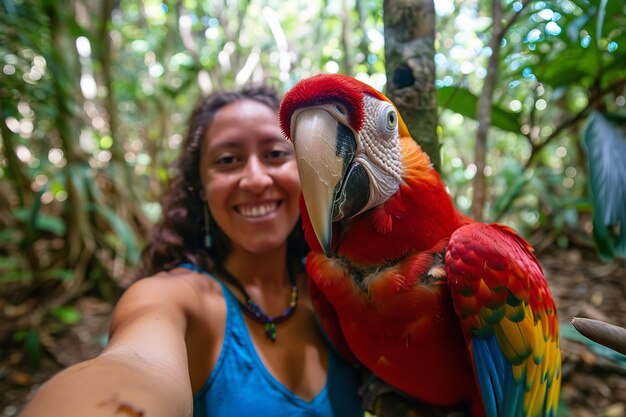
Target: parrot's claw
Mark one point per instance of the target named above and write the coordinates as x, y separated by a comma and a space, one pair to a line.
371, 389
383, 400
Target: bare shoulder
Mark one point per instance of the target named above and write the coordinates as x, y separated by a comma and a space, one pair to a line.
177, 294
171, 285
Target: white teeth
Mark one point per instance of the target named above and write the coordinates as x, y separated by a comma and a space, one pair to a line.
258, 211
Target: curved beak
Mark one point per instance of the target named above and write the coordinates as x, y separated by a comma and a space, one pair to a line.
324, 149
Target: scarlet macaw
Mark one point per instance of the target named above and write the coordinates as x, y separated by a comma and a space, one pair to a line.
444, 309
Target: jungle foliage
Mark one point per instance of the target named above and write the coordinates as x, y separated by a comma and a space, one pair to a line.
94, 97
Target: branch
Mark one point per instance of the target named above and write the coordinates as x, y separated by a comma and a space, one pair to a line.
593, 100
104, 53
513, 18
186, 35
392, 404
346, 38
284, 61
410, 69
363, 43
483, 111
606, 334
563, 126
22, 183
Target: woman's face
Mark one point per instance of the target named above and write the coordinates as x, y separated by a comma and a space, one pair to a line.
249, 176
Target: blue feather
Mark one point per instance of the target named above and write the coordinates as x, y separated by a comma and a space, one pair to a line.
502, 395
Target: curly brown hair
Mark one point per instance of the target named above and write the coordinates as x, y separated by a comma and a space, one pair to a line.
178, 237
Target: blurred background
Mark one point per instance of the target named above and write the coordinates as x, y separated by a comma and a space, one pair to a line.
529, 100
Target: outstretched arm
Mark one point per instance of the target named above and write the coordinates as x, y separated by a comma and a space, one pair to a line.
142, 372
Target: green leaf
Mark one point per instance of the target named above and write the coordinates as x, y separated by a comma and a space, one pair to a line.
16, 276
32, 347
463, 101
600, 23
58, 273
514, 190
51, 224
76, 173
574, 27
9, 263
67, 315
121, 230
570, 66
10, 236
75, 29
563, 410
606, 153
603, 240
42, 222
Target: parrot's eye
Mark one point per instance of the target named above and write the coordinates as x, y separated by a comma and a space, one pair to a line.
341, 109
387, 118
392, 119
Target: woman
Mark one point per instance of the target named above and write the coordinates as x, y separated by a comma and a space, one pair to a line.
226, 325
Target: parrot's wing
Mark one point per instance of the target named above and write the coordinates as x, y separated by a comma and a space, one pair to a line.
329, 322
509, 319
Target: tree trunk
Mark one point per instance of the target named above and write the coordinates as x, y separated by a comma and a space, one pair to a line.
410, 63
16, 173
483, 114
410, 68
79, 241
346, 38
363, 43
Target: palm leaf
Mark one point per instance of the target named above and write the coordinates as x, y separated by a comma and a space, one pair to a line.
464, 102
120, 230
606, 153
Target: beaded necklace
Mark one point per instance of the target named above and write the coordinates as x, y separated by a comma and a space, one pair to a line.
253, 311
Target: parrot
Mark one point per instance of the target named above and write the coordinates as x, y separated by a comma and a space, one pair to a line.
446, 310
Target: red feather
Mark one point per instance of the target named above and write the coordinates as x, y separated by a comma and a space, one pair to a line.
318, 90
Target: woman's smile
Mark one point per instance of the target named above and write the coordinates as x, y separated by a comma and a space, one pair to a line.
256, 210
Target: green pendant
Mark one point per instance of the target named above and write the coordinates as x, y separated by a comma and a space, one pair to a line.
270, 330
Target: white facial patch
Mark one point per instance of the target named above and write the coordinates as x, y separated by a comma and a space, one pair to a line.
378, 150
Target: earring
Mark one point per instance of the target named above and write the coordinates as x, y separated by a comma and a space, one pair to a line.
208, 239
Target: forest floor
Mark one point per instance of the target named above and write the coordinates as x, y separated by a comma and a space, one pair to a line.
594, 384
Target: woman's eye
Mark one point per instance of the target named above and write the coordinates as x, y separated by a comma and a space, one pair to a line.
276, 154
226, 160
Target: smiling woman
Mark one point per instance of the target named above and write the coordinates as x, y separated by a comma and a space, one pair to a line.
224, 324
249, 176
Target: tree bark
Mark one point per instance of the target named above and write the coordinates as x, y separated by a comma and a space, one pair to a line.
606, 334
346, 39
363, 43
483, 113
410, 64
79, 242
21, 180
483, 110
104, 55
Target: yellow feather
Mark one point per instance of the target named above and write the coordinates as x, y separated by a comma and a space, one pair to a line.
517, 340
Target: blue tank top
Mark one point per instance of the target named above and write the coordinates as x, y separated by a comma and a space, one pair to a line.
240, 385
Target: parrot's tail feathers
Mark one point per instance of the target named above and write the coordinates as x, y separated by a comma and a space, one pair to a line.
489, 379
498, 387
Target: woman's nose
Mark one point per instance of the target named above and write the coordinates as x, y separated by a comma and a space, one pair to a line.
255, 176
